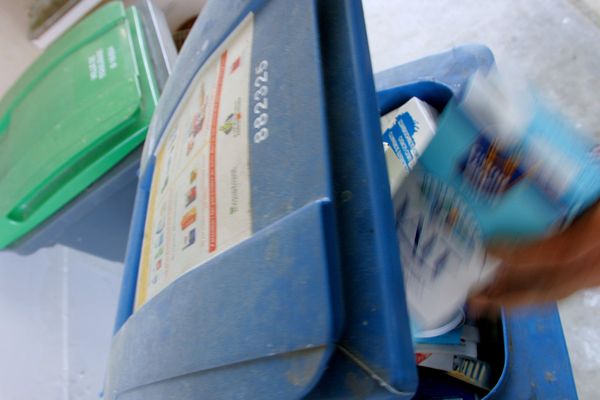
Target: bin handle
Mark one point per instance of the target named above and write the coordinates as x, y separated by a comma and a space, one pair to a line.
96, 152
449, 71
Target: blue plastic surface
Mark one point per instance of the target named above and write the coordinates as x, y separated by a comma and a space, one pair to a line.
263, 304
433, 79
537, 363
273, 302
376, 340
266, 319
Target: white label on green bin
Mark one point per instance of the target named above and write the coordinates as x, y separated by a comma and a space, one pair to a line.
98, 64
200, 199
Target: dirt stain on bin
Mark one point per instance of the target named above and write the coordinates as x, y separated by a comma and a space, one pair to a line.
346, 196
550, 376
304, 364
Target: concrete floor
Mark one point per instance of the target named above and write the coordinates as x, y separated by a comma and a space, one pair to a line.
55, 334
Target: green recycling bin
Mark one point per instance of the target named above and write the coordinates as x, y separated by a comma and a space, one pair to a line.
71, 129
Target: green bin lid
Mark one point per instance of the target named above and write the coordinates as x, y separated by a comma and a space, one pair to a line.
75, 113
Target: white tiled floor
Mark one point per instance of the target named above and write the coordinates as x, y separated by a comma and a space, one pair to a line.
53, 347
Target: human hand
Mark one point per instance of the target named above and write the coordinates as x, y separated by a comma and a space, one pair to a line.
547, 270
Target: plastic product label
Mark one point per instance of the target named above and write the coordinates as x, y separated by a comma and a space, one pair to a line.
409, 129
441, 249
200, 199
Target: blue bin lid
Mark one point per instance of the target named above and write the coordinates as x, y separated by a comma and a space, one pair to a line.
310, 301
260, 318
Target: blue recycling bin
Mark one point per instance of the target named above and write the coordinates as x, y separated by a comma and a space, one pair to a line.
262, 261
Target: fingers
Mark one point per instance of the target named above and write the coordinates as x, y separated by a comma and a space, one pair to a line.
486, 304
565, 247
479, 305
546, 270
515, 285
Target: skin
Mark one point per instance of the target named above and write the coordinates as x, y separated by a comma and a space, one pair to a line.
547, 270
